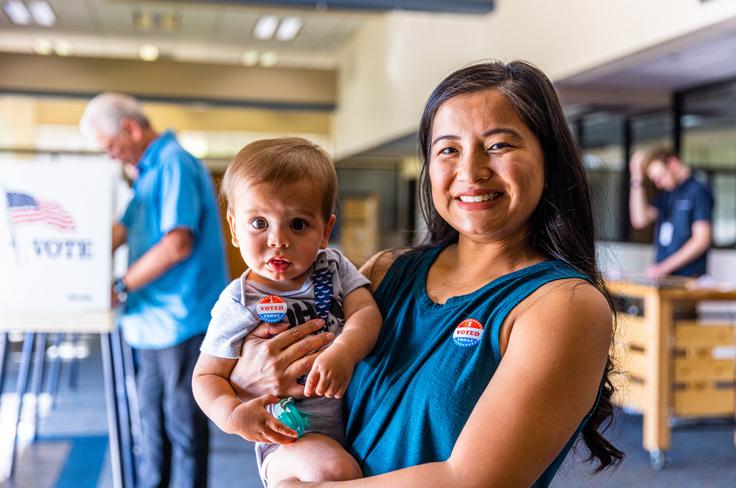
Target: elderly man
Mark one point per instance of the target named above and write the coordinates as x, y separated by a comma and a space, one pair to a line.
682, 210
176, 271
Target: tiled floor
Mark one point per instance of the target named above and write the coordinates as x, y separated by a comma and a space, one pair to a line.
68, 452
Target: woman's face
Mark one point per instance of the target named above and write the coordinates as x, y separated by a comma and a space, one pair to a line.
486, 167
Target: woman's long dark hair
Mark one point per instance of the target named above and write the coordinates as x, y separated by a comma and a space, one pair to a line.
561, 227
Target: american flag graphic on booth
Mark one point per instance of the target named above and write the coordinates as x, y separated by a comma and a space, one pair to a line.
24, 208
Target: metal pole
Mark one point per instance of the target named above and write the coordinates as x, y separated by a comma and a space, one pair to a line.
52, 379
21, 386
136, 429
3, 358
122, 407
39, 361
74, 365
112, 411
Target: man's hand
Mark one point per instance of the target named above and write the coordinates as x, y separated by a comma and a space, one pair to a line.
251, 421
272, 366
655, 272
114, 302
636, 165
330, 374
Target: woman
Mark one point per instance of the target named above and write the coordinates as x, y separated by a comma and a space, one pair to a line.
494, 351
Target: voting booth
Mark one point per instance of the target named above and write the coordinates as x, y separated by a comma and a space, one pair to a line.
56, 267
55, 241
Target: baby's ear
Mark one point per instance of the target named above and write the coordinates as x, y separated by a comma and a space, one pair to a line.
328, 230
231, 223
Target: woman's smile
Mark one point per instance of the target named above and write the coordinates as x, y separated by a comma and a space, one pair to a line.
486, 166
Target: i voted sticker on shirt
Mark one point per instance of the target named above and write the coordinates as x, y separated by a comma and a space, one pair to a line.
271, 309
467, 333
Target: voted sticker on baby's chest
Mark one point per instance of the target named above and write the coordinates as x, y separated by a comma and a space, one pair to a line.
468, 333
271, 309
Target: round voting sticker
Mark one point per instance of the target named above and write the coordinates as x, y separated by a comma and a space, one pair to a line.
468, 333
271, 309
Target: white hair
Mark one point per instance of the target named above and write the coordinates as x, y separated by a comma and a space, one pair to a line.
106, 111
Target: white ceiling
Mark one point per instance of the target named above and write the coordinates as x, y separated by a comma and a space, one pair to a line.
217, 33
699, 58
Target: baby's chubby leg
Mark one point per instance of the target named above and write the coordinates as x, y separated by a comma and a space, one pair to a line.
314, 457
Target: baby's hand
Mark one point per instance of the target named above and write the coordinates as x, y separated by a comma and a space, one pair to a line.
330, 374
251, 421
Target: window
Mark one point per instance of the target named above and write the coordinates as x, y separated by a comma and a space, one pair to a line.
708, 124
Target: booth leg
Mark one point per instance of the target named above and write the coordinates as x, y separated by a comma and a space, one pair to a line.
21, 387
133, 405
39, 362
112, 411
74, 365
3, 358
122, 407
52, 379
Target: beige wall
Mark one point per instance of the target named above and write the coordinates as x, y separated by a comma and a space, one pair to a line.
188, 117
393, 62
164, 78
51, 124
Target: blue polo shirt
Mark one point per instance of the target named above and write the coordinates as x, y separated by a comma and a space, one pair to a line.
173, 191
681, 208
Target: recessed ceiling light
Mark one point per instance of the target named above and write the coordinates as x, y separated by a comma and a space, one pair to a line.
289, 28
249, 58
148, 52
44, 47
266, 27
42, 13
142, 20
269, 59
156, 21
63, 48
17, 12
170, 22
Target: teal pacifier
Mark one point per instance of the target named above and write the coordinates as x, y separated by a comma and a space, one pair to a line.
287, 413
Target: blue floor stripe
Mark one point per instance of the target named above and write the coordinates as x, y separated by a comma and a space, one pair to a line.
84, 463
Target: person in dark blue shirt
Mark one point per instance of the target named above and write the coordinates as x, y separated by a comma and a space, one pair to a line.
682, 213
176, 255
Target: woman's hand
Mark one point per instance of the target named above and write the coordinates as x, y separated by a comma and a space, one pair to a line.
272, 366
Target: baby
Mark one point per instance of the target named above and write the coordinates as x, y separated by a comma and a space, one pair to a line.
281, 194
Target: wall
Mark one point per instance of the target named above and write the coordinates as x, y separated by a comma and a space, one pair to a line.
51, 124
307, 88
392, 63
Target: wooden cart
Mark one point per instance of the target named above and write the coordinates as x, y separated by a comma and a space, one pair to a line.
669, 366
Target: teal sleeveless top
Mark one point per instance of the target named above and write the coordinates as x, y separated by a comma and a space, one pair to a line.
410, 398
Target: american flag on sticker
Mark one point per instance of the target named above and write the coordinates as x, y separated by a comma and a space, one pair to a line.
24, 208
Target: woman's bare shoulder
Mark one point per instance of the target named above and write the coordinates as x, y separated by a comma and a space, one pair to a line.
570, 303
377, 265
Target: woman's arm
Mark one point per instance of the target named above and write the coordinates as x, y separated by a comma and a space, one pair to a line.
546, 383
377, 265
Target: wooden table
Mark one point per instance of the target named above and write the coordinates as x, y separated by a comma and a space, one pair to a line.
667, 363
35, 326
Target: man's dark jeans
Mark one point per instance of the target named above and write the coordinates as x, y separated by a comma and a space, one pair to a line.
175, 431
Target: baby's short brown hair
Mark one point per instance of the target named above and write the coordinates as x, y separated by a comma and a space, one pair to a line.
282, 161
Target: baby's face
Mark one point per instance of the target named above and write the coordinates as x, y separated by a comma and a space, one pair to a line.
279, 231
